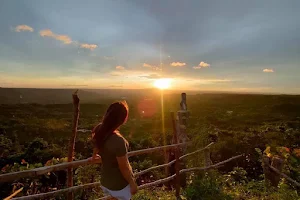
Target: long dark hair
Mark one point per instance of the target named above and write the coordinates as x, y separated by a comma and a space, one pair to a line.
115, 116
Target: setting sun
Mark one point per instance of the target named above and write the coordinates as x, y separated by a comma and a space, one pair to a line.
163, 83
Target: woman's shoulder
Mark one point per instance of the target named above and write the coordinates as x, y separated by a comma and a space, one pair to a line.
116, 137
117, 143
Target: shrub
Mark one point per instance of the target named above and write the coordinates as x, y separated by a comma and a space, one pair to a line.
154, 194
206, 187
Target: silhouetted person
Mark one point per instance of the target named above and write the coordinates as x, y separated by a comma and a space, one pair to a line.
117, 177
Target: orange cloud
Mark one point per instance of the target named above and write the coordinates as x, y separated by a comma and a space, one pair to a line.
151, 66
88, 46
120, 67
151, 76
268, 70
178, 64
202, 65
23, 27
147, 65
48, 33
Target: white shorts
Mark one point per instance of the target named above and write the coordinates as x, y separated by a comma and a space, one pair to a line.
123, 194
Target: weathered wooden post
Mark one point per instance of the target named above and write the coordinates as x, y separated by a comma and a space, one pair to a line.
272, 178
177, 162
267, 171
278, 164
182, 117
181, 127
72, 142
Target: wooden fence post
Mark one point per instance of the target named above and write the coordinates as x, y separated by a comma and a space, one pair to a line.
183, 104
182, 118
181, 127
177, 163
277, 163
72, 142
267, 171
272, 178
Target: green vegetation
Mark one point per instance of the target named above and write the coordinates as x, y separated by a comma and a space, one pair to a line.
34, 135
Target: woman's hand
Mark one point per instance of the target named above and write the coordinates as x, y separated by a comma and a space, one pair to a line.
133, 188
95, 158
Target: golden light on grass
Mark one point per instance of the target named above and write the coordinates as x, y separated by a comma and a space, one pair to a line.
163, 83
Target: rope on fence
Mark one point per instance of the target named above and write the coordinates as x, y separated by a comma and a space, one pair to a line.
152, 168
285, 176
173, 161
188, 154
58, 192
41, 170
210, 167
150, 150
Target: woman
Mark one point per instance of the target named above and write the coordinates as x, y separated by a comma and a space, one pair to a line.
116, 178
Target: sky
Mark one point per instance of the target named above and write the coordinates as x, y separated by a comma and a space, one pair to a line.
216, 45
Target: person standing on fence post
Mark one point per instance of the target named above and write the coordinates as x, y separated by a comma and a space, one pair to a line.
117, 178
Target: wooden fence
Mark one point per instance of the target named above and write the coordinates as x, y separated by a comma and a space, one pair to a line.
64, 166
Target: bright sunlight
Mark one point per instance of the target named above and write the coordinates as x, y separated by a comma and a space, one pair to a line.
162, 83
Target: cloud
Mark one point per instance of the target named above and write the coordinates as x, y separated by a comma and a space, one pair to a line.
23, 27
151, 66
210, 81
268, 70
202, 65
48, 33
147, 65
120, 67
66, 39
177, 64
88, 46
133, 74
218, 80
151, 76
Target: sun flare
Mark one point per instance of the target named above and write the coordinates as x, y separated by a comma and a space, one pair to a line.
163, 83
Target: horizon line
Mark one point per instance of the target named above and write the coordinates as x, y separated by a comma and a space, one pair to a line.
150, 88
